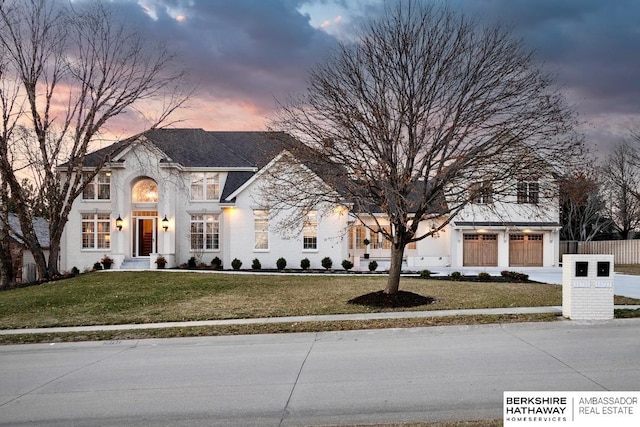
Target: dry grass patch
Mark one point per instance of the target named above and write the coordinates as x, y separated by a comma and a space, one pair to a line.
150, 296
272, 328
633, 269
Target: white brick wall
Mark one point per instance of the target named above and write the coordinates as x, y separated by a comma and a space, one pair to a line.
589, 297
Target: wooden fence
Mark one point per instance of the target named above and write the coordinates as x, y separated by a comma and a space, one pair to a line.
624, 251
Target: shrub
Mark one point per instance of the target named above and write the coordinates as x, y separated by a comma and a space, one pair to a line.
216, 263
347, 265
255, 264
484, 277
97, 266
373, 266
192, 263
75, 271
326, 263
236, 264
281, 263
514, 275
456, 275
305, 264
425, 274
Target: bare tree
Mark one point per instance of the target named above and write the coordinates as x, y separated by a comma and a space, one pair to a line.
6, 264
424, 103
622, 177
68, 72
582, 206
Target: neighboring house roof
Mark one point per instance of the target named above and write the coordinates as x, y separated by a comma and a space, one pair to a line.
40, 226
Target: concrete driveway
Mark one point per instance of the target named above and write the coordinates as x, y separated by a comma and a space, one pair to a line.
623, 284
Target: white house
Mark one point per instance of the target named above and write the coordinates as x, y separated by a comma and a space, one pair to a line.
184, 193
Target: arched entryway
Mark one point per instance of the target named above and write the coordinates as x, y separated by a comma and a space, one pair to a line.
144, 216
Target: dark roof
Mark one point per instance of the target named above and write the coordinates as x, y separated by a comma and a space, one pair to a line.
199, 148
437, 204
40, 226
233, 182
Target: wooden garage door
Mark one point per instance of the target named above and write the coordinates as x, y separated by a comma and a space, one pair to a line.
525, 250
480, 250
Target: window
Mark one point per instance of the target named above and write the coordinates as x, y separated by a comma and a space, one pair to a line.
145, 191
99, 188
205, 186
205, 232
481, 193
381, 242
261, 229
358, 234
310, 231
96, 231
528, 192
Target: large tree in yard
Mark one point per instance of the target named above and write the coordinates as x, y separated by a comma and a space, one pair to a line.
425, 103
621, 175
67, 69
583, 210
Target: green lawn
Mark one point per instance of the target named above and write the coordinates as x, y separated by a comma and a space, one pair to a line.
150, 296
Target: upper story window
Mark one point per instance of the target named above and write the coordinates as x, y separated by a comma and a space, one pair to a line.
205, 186
145, 191
481, 193
99, 188
528, 192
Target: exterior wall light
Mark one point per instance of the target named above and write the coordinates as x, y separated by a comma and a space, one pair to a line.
119, 223
165, 223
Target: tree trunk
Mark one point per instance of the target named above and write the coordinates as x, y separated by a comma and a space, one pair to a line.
393, 281
54, 253
6, 264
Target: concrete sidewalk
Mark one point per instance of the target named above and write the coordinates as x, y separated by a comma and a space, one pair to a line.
297, 319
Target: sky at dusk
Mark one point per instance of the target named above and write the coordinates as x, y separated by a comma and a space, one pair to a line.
243, 55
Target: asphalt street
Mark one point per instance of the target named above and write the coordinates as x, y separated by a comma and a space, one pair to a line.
426, 374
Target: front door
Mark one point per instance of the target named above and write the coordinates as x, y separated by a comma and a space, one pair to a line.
145, 237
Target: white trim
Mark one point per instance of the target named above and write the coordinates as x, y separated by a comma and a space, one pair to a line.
258, 174
221, 169
267, 167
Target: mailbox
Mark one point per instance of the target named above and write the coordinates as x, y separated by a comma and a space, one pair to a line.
603, 268
587, 287
582, 269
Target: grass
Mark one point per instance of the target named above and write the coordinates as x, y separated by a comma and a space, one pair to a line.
271, 328
151, 296
147, 297
633, 269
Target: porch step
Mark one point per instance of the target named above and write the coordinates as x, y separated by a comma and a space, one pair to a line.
134, 264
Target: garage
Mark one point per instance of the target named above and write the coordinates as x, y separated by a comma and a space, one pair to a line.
525, 250
480, 250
